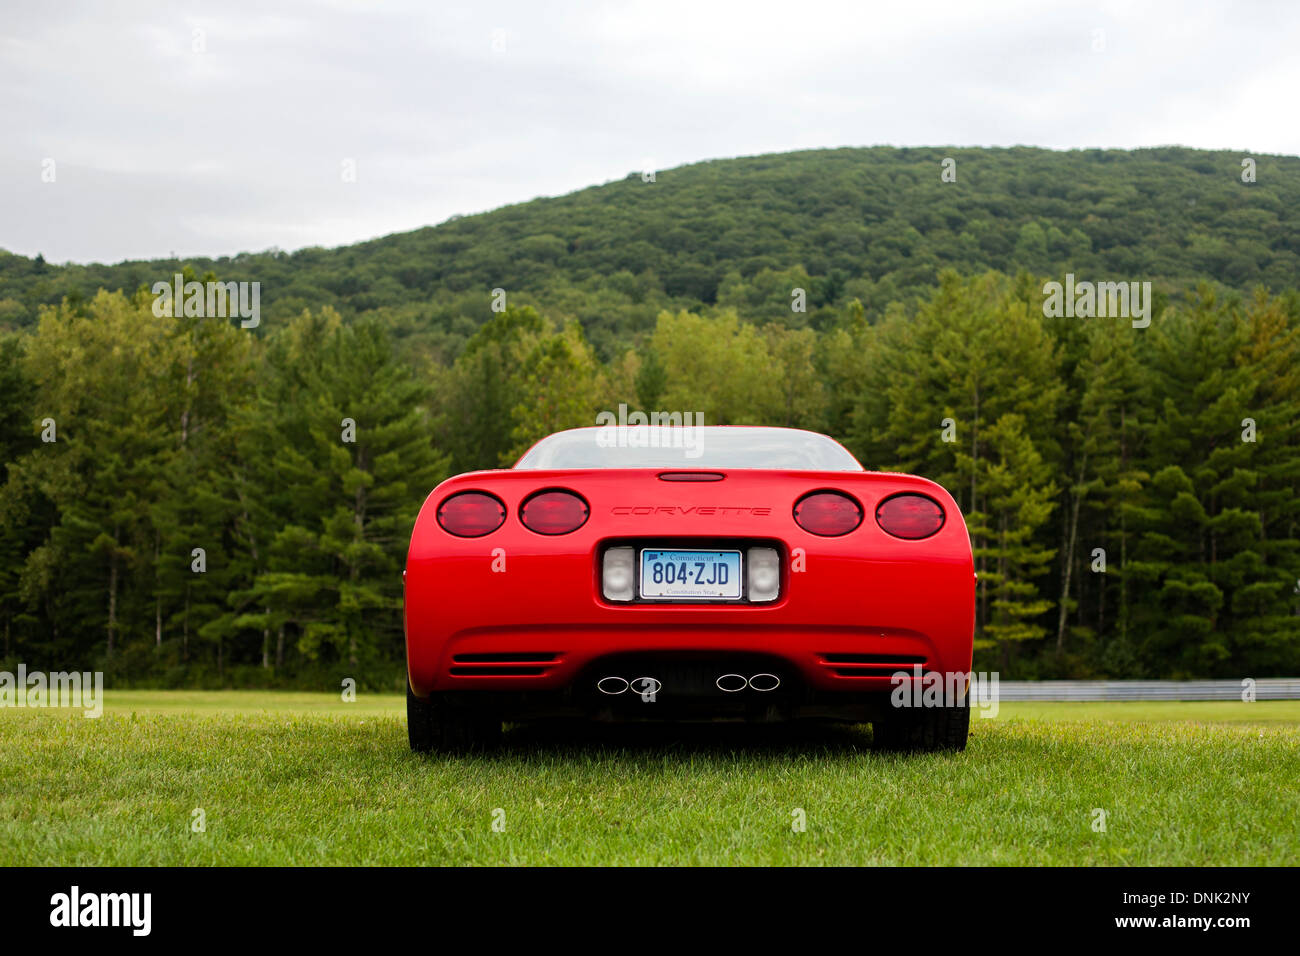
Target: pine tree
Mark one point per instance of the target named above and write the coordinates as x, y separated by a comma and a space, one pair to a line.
1200, 533
1114, 410
476, 408
1017, 490
1267, 601
20, 507
356, 450
936, 385
101, 472
559, 385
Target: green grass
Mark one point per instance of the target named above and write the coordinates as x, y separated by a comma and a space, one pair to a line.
287, 778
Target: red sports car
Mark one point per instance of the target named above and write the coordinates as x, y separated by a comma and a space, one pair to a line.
687, 573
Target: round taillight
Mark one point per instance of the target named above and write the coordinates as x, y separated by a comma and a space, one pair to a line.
827, 513
910, 516
471, 514
554, 512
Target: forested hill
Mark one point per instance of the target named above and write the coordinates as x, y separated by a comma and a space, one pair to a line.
874, 224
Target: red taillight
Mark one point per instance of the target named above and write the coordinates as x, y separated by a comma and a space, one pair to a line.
554, 512
471, 514
910, 516
827, 513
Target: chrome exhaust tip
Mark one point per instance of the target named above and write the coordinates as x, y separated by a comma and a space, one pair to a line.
764, 682
611, 685
731, 683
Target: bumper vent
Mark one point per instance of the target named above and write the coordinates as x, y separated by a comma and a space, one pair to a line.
870, 665
508, 664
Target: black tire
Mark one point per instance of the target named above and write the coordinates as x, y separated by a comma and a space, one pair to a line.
923, 729
435, 724
419, 722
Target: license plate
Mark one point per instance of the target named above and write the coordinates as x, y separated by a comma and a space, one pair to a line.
690, 574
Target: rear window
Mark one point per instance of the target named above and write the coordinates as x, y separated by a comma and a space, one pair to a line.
709, 446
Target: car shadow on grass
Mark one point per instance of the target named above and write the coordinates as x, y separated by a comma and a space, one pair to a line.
561, 737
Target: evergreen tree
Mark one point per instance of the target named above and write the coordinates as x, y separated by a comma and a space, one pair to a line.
936, 386
364, 460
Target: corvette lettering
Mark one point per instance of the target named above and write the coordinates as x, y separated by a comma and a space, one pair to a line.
679, 510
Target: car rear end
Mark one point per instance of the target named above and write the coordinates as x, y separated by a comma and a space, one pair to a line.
652, 593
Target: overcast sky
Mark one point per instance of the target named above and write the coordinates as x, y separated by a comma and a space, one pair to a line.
202, 128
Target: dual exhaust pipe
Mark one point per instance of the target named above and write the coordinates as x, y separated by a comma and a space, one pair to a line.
735, 683
649, 686
644, 686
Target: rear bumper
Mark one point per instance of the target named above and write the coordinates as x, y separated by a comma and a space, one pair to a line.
519, 612
549, 657
850, 628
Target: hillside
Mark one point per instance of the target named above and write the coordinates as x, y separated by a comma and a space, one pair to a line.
876, 224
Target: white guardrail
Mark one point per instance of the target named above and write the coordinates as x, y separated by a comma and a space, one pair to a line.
1265, 688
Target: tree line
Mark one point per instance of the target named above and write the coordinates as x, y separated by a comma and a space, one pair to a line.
189, 502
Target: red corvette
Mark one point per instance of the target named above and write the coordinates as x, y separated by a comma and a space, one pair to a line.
686, 573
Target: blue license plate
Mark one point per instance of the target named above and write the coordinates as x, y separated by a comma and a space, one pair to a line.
690, 574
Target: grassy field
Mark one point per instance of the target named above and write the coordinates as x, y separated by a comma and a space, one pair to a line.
287, 778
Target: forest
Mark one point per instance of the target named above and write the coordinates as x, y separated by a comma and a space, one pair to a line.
187, 501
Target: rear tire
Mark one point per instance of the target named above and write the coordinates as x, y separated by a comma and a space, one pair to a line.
419, 722
434, 724
924, 729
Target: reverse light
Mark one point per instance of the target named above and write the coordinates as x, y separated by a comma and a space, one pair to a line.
471, 514
554, 512
763, 578
617, 578
910, 516
827, 513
